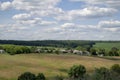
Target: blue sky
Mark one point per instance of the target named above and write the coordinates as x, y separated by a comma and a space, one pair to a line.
60, 19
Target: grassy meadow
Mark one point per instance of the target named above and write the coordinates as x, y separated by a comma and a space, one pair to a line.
107, 46
50, 64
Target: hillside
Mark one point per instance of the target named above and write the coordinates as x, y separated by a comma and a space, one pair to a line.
49, 64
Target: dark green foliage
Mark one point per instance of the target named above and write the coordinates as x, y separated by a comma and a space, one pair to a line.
116, 68
106, 74
101, 51
114, 52
51, 43
57, 52
58, 77
81, 48
101, 74
14, 49
77, 72
1, 47
27, 76
33, 49
40, 76
93, 51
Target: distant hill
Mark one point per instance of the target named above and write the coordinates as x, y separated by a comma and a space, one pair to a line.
52, 43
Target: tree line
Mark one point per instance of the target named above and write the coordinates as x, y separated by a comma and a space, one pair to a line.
51, 43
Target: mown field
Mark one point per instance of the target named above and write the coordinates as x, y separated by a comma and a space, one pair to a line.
50, 64
107, 46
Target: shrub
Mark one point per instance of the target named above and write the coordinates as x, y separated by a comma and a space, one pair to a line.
77, 71
114, 52
116, 68
40, 76
27, 76
101, 74
58, 77
93, 51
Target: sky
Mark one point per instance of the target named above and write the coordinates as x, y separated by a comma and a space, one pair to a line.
60, 19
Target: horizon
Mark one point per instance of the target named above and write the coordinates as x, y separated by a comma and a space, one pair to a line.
63, 40
31, 20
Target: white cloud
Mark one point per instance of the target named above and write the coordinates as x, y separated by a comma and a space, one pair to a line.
89, 12
47, 12
34, 4
72, 27
78, 31
1, 26
109, 24
109, 3
68, 25
21, 16
113, 26
48, 23
100, 28
36, 22
36, 10
43, 19
112, 29
5, 5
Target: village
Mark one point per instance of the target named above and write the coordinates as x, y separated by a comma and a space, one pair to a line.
41, 50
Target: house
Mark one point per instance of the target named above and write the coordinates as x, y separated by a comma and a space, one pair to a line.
2, 51
78, 52
86, 53
38, 51
63, 51
101, 55
70, 51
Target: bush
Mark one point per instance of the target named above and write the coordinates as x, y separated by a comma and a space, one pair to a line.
101, 74
93, 51
116, 68
27, 76
58, 77
77, 72
15, 49
40, 76
114, 52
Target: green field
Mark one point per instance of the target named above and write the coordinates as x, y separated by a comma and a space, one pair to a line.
107, 46
50, 64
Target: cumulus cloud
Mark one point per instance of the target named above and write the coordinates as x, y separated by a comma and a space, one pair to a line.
89, 12
21, 16
47, 12
45, 19
33, 4
72, 27
104, 30
109, 24
76, 31
109, 3
36, 10
36, 22
5, 5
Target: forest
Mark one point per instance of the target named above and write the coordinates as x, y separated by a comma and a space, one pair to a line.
51, 43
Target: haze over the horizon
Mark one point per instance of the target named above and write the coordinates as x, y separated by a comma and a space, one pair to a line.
60, 19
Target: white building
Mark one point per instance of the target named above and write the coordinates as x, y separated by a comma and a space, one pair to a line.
2, 51
77, 52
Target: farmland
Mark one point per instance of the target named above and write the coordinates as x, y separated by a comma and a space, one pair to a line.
106, 45
50, 64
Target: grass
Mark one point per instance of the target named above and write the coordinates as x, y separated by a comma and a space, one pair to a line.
50, 64
107, 46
